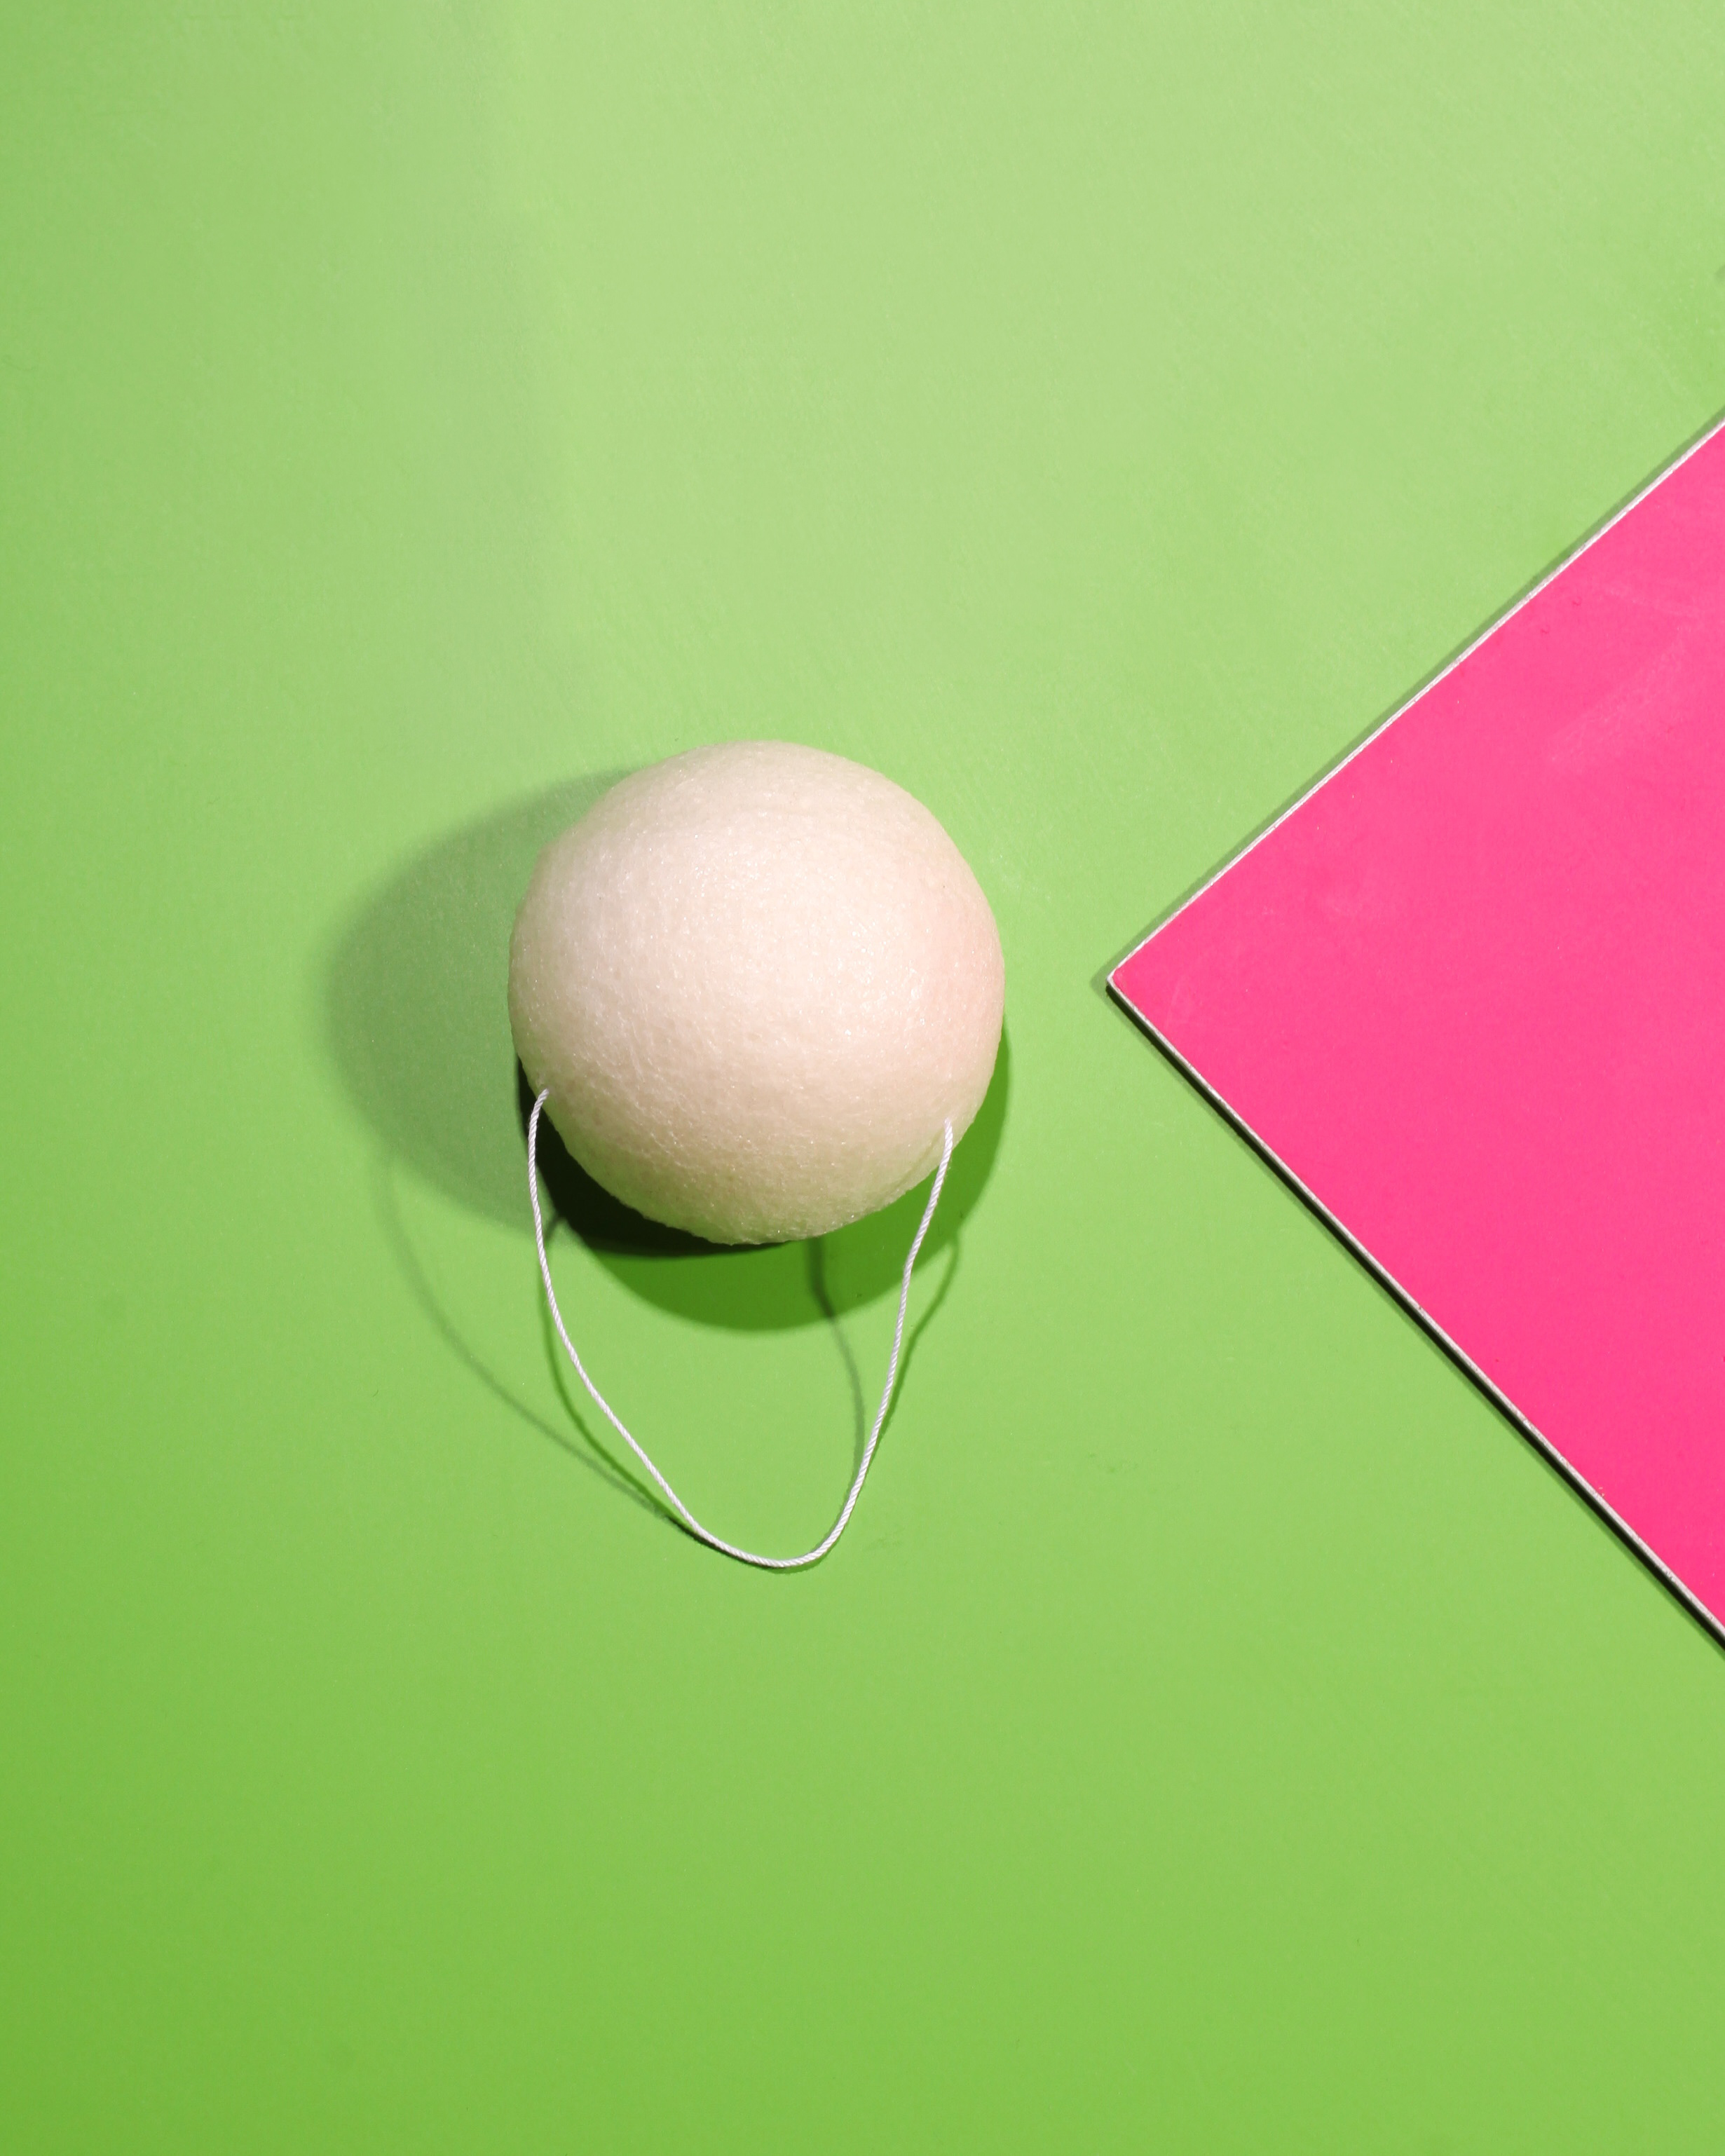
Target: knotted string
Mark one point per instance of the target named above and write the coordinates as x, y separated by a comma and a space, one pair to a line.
683, 1513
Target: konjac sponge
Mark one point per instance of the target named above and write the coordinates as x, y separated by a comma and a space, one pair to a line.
756, 981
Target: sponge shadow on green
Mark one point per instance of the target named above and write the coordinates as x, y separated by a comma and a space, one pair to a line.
415, 1013
415, 1002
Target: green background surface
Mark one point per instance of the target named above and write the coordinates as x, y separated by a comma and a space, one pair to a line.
1219, 1730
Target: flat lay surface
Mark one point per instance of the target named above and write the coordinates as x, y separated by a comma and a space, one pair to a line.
1218, 1729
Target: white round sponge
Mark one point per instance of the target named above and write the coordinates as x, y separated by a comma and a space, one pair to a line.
757, 979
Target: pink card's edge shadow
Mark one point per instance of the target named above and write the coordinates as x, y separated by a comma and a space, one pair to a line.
1713, 1625
1105, 979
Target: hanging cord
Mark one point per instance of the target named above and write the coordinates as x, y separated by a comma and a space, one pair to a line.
683, 1513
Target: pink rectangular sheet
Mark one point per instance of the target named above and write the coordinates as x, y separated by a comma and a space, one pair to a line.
1469, 996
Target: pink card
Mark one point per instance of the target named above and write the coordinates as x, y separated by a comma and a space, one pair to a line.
1468, 996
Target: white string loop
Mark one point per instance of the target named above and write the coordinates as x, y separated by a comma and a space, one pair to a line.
683, 1513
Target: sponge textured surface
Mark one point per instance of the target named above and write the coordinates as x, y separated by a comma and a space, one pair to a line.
756, 980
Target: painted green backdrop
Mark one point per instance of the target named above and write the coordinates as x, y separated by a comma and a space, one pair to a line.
1220, 1732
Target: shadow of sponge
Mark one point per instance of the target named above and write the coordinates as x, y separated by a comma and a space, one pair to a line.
416, 1002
